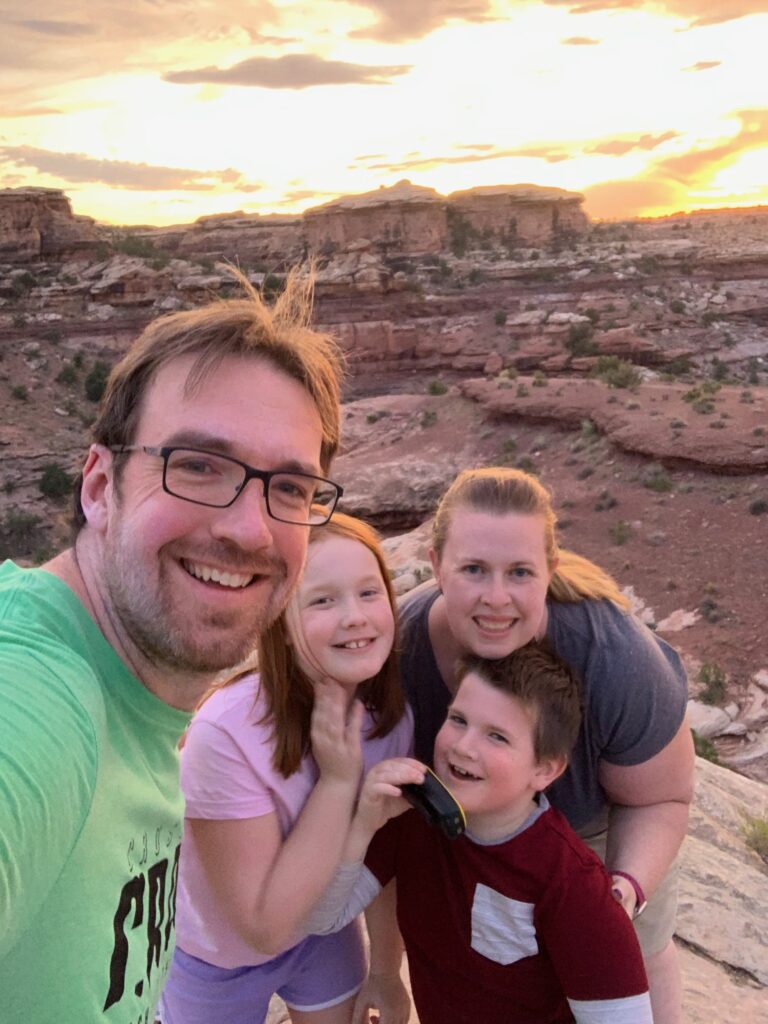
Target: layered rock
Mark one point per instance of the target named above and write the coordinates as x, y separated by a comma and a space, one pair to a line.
402, 218
38, 222
528, 214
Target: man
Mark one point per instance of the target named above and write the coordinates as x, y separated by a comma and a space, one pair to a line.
192, 517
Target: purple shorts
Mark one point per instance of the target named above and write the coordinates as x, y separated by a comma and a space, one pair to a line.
321, 971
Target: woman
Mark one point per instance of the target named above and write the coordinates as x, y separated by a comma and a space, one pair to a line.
501, 581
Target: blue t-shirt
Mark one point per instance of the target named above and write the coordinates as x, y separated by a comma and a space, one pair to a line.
633, 684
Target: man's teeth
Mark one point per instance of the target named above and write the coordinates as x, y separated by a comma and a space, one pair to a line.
225, 579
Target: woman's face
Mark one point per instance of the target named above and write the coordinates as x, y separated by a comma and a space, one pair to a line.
494, 577
340, 620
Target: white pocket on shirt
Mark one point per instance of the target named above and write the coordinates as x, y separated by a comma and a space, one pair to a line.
502, 928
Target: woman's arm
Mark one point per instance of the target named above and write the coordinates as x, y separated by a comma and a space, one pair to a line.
649, 816
264, 885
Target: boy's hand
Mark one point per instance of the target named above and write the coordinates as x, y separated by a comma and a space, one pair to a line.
385, 993
335, 733
381, 798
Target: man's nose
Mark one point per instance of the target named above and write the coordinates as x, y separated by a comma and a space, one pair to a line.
464, 744
246, 521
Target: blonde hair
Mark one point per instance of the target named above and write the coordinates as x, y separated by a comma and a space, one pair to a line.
288, 690
279, 334
500, 490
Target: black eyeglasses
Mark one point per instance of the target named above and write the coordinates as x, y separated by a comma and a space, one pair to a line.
206, 478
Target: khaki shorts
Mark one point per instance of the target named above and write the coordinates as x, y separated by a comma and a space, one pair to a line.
656, 925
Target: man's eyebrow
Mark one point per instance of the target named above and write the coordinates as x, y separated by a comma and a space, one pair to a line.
222, 446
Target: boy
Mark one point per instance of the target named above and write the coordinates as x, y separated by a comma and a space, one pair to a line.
515, 921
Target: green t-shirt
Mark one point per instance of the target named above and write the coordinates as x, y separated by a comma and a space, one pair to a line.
90, 816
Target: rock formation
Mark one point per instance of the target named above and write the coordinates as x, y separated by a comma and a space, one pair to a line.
519, 214
38, 222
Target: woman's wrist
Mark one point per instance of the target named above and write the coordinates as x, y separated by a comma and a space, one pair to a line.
627, 890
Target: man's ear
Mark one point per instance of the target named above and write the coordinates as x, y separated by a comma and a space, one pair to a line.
547, 770
96, 489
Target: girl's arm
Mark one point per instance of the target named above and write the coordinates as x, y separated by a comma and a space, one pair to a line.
265, 885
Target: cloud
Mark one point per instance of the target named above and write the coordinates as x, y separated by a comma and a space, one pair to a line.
72, 29
703, 65
695, 12
699, 165
612, 199
79, 168
30, 112
619, 147
401, 20
580, 41
292, 71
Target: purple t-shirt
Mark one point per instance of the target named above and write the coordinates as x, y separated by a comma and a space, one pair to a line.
227, 773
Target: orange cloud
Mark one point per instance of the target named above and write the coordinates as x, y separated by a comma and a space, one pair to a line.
580, 41
696, 12
703, 65
401, 20
291, 71
619, 147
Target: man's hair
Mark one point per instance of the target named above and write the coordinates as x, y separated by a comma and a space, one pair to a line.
290, 693
242, 327
544, 684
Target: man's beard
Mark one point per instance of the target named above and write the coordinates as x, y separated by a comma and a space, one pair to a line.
157, 629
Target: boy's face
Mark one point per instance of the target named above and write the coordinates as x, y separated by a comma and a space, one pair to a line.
484, 754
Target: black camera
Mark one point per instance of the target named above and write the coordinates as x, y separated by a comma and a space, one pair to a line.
436, 802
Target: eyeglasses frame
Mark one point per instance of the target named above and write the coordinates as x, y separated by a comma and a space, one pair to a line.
251, 473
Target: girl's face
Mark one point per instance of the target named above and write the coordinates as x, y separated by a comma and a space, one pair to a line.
494, 577
341, 622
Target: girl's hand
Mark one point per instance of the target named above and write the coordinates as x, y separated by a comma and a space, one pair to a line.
335, 733
380, 798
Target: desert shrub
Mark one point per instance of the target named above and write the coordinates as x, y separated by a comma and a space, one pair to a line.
756, 836
593, 314
522, 391
655, 478
96, 381
704, 748
615, 372
579, 341
539, 380
20, 393
758, 507
55, 482
588, 430
67, 374
620, 532
428, 418
676, 306
500, 318
712, 677
437, 387
605, 501
133, 245
21, 533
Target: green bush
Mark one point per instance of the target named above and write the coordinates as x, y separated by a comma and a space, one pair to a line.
616, 373
500, 318
704, 748
713, 679
620, 532
20, 533
67, 374
655, 478
96, 381
436, 387
428, 418
676, 306
756, 836
55, 482
579, 341
20, 393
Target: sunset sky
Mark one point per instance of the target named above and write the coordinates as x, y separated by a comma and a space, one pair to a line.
160, 111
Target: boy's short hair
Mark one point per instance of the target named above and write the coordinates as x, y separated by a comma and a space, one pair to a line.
547, 686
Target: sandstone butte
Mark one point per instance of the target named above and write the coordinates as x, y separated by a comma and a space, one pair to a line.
626, 363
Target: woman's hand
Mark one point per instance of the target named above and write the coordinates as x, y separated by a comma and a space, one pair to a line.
335, 733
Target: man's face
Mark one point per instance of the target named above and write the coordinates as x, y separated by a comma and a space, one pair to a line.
160, 552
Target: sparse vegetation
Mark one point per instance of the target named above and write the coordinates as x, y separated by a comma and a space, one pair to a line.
758, 507
67, 374
96, 381
704, 748
712, 678
620, 532
55, 482
655, 478
437, 387
21, 534
756, 836
579, 341
616, 373
500, 318
522, 391
539, 380
428, 418
20, 393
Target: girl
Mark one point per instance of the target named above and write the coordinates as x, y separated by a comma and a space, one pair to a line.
270, 770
